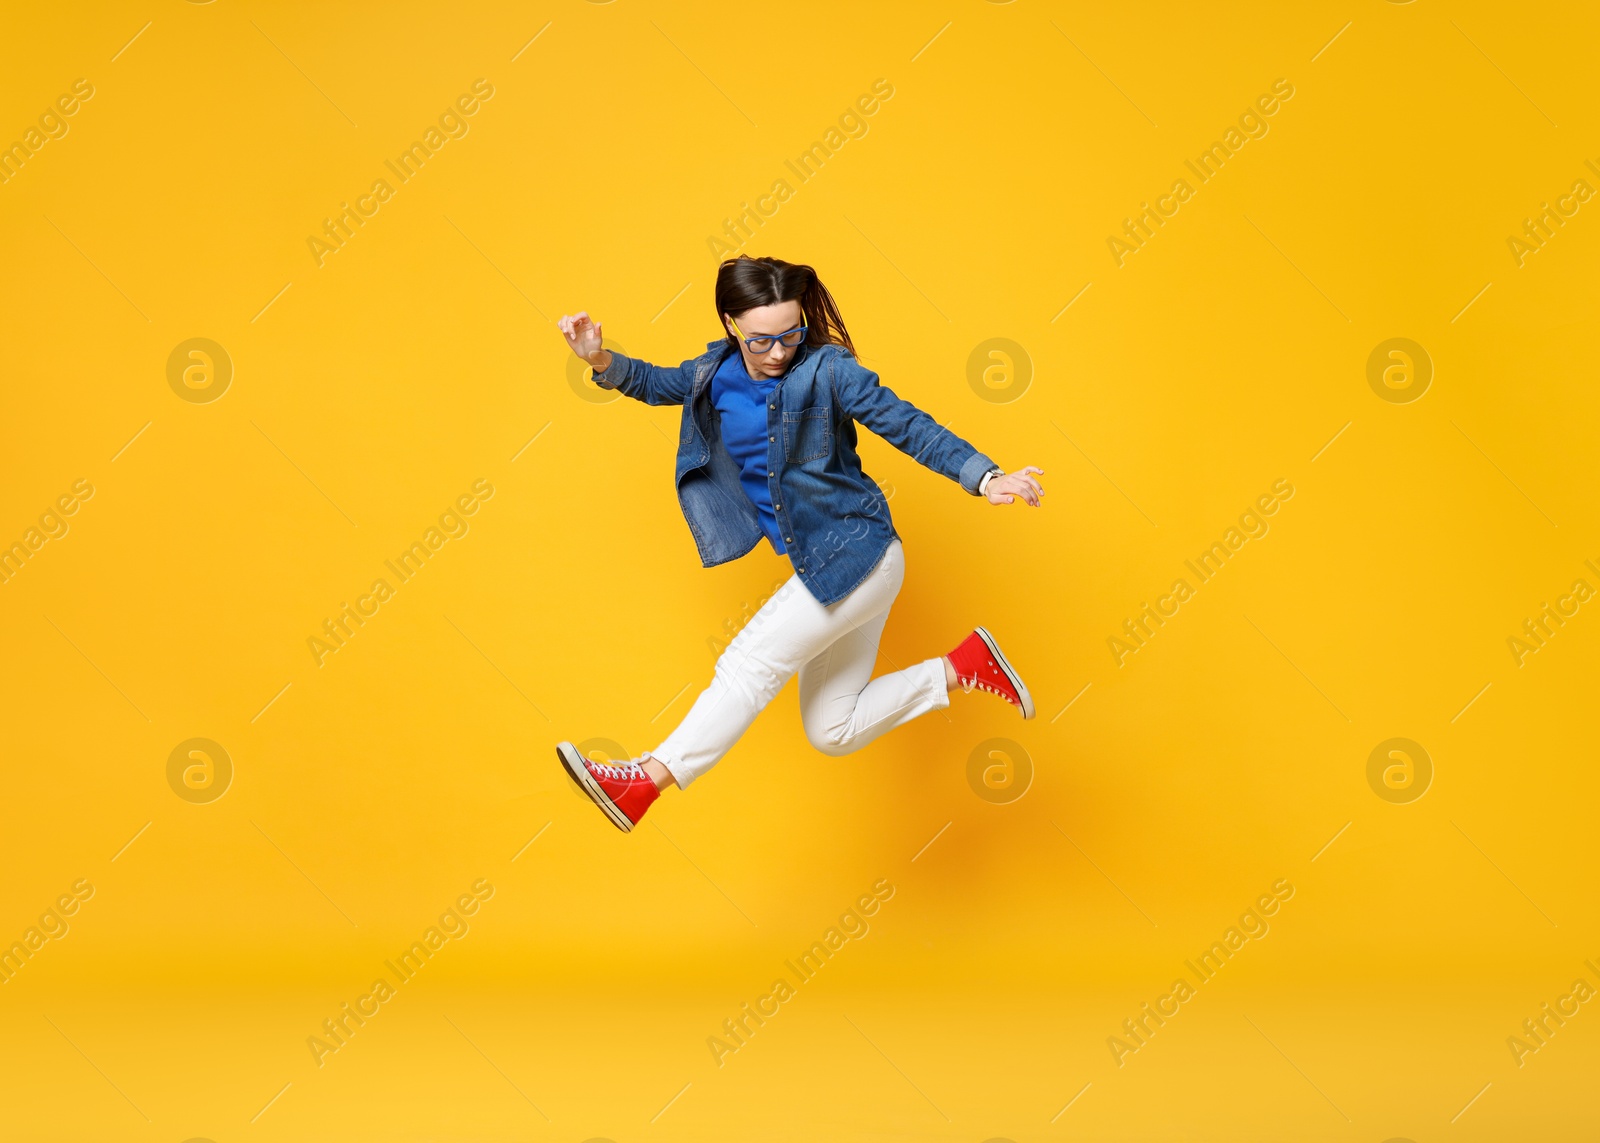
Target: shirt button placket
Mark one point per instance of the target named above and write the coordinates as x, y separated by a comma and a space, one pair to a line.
776, 507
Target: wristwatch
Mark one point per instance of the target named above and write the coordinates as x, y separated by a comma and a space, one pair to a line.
983, 482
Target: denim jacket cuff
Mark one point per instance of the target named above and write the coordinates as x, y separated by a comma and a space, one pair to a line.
972, 471
616, 373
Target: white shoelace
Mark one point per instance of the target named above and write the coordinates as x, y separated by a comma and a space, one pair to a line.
975, 683
624, 773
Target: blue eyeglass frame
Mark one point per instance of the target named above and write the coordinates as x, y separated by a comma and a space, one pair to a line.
774, 338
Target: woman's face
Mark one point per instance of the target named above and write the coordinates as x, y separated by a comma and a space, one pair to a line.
769, 321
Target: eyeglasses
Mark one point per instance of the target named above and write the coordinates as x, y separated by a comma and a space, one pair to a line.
763, 344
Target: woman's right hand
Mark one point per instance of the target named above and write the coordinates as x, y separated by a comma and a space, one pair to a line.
584, 338
1006, 489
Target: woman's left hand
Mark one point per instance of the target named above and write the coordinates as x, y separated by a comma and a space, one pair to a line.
1005, 489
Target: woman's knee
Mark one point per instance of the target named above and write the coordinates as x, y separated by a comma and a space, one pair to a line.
831, 740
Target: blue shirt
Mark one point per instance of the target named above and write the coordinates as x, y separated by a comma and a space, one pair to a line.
742, 403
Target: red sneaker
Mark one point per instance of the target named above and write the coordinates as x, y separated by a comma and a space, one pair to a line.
624, 792
979, 663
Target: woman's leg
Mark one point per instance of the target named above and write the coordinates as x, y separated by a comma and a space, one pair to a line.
789, 631
844, 707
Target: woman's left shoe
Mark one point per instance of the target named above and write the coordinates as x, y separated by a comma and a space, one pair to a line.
622, 792
979, 664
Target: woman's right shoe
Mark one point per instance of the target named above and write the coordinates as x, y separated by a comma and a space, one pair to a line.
623, 792
979, 664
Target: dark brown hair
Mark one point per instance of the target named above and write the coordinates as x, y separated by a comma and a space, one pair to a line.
743, 283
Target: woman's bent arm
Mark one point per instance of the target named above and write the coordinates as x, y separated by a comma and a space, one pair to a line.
652, 384
640, 380
905, 426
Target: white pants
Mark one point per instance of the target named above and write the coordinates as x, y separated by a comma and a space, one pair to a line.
833, 649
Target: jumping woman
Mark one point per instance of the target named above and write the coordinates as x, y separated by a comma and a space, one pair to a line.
768, 448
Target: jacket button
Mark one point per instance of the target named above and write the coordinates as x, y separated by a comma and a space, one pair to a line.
788, 539
772, 438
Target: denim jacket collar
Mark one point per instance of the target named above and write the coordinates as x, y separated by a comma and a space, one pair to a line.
712, 358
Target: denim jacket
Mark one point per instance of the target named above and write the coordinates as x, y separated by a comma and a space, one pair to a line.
835, 521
